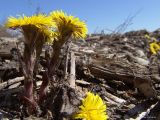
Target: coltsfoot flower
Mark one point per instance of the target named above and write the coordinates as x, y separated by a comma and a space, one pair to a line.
40, 24
37, 30
154, 47
68, 25
92, 108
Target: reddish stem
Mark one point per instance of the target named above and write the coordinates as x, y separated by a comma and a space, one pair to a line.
43, 91
28, 94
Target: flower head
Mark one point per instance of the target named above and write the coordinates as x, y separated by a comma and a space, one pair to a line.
151, 39
67, 25
92, 108
36, 24
147, 36
154, 47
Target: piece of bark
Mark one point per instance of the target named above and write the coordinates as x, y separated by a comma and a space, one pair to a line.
11, 82
68, 45
114, 98
15, 85
71, 79
110, 101
106, 73
82, 82
139, 82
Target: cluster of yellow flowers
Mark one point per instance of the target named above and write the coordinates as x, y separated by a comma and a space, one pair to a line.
56, 25
154, 46
92, 108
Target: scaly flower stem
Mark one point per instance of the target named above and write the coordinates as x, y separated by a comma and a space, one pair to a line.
28, 96
29, 60
52, 67
47, 76
43, 88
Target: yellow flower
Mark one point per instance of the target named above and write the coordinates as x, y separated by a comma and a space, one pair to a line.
37, 20
147, 36
36, 23
154, 47
67, 25
150, 38
92, 108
